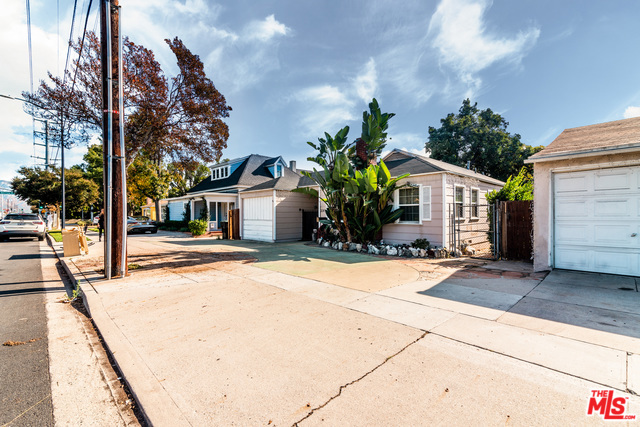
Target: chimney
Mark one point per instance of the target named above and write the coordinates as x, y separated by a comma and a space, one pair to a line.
292, 165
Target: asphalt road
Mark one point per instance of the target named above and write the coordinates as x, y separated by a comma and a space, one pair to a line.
25, 389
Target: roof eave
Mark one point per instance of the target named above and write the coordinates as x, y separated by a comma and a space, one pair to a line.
577, 154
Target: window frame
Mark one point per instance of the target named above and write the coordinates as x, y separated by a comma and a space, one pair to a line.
475, 206
397, 205
461, 202
220, 173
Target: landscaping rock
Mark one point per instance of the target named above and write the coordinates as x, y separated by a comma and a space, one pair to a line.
373, 250
422, 253
340, 245
392, 251
326, 244
353, 247
358, 247
414, 252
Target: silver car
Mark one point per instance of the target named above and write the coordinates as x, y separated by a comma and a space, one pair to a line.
22, 225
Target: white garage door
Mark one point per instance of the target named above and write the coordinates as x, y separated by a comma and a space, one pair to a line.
597, 220
257, 219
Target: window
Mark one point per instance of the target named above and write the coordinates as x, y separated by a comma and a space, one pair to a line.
220, 173
459, 202
426, 203
409, 202
475, 195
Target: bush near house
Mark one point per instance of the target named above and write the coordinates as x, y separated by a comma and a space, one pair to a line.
198, 227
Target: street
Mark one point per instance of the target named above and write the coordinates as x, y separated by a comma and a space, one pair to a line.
53, 367
24, 367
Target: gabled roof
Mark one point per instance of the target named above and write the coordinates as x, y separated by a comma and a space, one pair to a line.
400, 162
593, 139
288, 181
252, 171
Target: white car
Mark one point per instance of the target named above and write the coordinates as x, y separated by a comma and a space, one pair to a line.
22, 225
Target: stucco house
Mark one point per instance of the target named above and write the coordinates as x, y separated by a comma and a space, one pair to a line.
257, 185
587, 199
436, 189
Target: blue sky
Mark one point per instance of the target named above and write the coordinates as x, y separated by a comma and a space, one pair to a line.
293, 69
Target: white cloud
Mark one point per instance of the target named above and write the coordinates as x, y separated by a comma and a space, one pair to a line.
325, 109
266, 30
464, 44
631, 111
366, 83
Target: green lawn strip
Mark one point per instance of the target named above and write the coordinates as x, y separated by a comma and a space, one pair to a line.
57, 235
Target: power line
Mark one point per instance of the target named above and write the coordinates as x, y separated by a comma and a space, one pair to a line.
73, 20
33, 122
84, 33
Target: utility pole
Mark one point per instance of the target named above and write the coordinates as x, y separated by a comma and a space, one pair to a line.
115, 213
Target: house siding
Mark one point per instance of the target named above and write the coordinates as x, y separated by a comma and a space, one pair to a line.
289, 208
430, 230
481, 224
176, 210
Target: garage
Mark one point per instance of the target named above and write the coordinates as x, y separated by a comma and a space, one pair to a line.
597, 220
257, 219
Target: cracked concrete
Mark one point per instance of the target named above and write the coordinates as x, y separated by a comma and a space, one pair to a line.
344, 386
224, 341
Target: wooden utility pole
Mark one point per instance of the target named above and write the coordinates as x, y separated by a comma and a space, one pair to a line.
115, 253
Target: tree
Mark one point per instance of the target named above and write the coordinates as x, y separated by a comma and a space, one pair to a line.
517, 187
356, 191
36, 185
179, 119
145, 180
182, 177
479, 137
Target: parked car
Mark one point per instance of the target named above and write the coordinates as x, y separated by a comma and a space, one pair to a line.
141, 224
22, 225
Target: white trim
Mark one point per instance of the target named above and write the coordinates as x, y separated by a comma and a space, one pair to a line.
419, 204
444, 210
471, 190
603, 165
591, 153
455, 202
273, 199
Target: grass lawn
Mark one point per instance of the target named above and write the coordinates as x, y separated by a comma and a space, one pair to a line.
57, 235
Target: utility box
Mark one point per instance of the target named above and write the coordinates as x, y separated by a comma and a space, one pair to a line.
71, 242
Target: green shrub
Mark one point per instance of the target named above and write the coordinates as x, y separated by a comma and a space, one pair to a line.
198, 227
420, 244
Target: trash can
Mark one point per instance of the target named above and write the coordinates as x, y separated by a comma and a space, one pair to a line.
225, 229
71, 242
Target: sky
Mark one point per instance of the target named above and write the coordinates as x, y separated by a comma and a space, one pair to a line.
294, 69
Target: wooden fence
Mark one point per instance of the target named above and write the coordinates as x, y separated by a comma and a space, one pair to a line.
516, 230
234, 224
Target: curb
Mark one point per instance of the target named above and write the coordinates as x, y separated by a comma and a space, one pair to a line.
154, 402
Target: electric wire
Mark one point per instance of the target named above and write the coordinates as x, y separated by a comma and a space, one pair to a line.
30, 50
73, 20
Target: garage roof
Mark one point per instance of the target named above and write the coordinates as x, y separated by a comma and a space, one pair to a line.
592, 139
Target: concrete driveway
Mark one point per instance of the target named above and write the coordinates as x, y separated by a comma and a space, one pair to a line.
216, 332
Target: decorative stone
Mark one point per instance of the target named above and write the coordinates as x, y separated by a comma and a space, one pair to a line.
340, 244
353, 247
392, 251
326, 244
457, 253
414, 252
358, 247
373, 250
469, 251
422, 253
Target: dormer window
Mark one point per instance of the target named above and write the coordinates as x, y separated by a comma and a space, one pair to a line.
220, 173
278, 171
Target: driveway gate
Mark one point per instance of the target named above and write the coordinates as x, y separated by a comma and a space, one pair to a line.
473, 231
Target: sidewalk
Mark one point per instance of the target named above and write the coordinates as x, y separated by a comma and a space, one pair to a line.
212, 336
